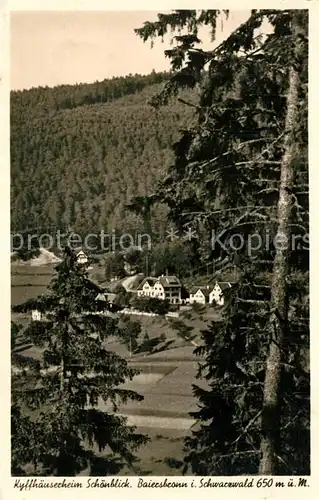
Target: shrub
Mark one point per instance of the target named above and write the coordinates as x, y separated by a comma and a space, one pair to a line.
198, 308
150, 304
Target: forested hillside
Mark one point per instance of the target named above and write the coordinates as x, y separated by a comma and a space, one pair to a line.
80, 153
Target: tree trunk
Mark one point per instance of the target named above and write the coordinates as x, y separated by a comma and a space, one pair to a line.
62, 364
279, 302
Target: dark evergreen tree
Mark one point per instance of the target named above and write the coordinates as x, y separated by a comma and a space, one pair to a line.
58, 427
129, 332
115, 265
239, 171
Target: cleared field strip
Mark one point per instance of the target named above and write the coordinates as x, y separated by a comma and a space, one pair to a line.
31, 271
171, 403
20, 294
168, 397
155, 422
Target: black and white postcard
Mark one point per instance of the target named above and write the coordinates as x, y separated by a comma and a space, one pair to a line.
160, 162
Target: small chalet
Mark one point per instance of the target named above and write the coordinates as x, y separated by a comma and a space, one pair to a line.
106, 299
217, 295
145, 288
163, 287
199, 295
36, 315
81, 257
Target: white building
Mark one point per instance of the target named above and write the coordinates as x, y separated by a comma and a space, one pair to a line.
164, 287
101, 297
199, 295
145, 288
36, 315
216, 296
81, 257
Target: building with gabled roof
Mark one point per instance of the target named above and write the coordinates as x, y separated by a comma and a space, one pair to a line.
217, 294
106, 299
81, 257
36, 315
101, 297
163, 287
199, 295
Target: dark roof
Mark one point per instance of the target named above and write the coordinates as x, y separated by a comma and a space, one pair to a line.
106, 297
165, 281
151, 281
169, 281
206, 291
223, 284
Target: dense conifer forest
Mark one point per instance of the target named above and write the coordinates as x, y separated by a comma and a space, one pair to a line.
80, 153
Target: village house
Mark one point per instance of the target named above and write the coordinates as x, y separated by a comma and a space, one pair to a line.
81, 257
145, 288
36, 315
216, 296
105, 299
199, 295
163, 287
101, 299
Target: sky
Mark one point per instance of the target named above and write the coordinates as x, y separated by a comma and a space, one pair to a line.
54, 48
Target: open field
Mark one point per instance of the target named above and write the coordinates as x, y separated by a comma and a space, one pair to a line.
162, 415
28, 282
20, 294
27, 269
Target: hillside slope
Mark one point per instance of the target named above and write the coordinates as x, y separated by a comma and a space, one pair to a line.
78, 161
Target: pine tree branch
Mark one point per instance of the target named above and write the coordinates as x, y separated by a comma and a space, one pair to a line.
232, 209
236, 150
246, 452
252, 301
245, 163
250, 423
188, 103
268, 190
